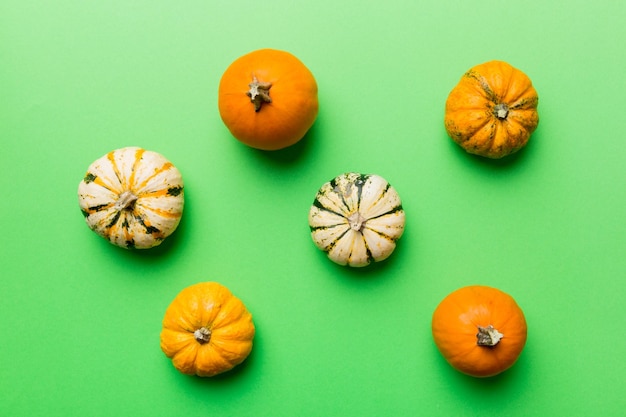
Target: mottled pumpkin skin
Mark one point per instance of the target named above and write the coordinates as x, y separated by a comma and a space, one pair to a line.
456, 322
286, 118
357, 219
492, 111
132, 197
206, 330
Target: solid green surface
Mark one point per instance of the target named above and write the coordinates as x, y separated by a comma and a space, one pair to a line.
80, 318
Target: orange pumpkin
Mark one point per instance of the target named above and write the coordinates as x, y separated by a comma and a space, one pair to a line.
479, 330
268, 99
206, 330
492, 111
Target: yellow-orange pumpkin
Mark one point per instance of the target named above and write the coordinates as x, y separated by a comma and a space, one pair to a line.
268, 99
479, 330
207, 330
492, 111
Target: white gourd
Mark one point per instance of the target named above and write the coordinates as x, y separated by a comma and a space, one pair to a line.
132, 197
356, 219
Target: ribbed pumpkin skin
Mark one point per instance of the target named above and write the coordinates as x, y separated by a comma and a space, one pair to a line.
492, 111
212, 307
456, 321
132, 197
293, 92
356, 218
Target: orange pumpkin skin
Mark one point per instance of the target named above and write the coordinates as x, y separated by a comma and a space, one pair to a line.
492, 111
479, 330
206, 330
268, 99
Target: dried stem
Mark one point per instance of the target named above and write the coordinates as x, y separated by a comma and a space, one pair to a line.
488, 336
259, 93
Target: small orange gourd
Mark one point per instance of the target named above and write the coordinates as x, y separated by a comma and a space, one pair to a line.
492, 111
268, 99
206, 330
479, 330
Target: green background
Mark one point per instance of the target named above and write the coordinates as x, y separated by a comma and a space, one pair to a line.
80, 318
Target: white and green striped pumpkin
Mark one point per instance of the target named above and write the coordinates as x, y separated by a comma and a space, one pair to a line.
132, 197
356, 218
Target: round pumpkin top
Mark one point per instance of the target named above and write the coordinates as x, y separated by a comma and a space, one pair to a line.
132, 197
357, 218
479, 330
268, 99
207, 330
492, 111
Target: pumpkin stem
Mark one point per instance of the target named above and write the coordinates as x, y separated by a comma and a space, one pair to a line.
202, 335
259, 93
488, 336
501, 110
126, 201
356, 221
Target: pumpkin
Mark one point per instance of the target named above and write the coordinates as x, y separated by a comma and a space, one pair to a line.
492, 111
356, 218
268, 99
479, 330
206, 330
132, 197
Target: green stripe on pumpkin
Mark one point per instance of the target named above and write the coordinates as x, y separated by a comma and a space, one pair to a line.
89, 177
174, 191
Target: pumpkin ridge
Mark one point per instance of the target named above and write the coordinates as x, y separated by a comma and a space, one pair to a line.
504, 323
225, 317
161, 212
360, 183
116, 170
219, 360
95, 209
146, 224
381, 234
394, 209
96, 179
231, 331
529, 123
368, 252
511, 314
126, 227
335, 188
337, 239
527, 103
321, 206
187, 354
326, 227
483, 84
466, 136
519, 86
163, 192
114, 219
387, 202
379, 198
138, 156
166, 166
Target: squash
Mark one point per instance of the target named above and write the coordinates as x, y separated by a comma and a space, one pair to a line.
206, 330
492, 111
132, 197
268, 99
356, 218
479, 330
